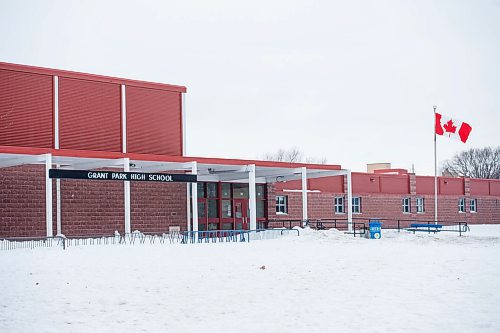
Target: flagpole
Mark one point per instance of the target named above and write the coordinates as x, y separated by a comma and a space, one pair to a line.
435, 172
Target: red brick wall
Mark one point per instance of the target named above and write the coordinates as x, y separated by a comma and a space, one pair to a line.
156, 206
479, 187
88, 208
91, 208
377, 203
22, 202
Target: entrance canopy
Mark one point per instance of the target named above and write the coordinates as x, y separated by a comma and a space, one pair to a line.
206, 170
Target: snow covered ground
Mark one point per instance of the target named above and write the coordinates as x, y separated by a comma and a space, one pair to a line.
322, 281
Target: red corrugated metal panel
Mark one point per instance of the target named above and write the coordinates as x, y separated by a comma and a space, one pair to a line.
26, 109
153, 121
89, 115
90, 77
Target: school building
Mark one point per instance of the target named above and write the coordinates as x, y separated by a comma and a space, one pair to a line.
88, 155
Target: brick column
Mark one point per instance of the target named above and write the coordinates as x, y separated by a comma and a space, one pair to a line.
467, 197
466, 186
271, 201
412, 185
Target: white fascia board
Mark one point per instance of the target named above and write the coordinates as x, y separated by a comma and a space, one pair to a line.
22, 160
166, 167
97, 164
261, 174
275, 173
320, 174
310, 174
208, 178
223, 169
260, 180
280, 179
233, 176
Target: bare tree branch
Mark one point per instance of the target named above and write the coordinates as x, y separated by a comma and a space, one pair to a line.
292, 155
475, 163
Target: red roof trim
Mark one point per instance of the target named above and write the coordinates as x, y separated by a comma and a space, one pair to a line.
92, 77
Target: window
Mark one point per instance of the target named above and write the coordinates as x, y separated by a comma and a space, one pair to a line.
212, 190
406, 205
356, 205
226, 190
213, 210
281, 204
461, 205
201, 190
240, 191
473, 205
260, 191
202, 209
420, 205
260, 209
339, 205
226, 209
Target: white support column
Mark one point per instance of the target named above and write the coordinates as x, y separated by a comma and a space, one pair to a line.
188, 207
126, 168
252, 197
194, 195
126, 160
349, 201
124, 119
48, 195
56, 146
303, 172
58, 206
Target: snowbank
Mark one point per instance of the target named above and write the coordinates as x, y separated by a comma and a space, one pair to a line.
322, 281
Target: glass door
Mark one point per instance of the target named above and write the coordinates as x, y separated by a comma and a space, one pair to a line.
240, 208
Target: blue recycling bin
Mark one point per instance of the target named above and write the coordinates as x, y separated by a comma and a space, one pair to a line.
375, 229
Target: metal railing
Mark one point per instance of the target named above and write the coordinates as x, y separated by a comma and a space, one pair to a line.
224, 236
12, 243
360, 224
404, 224
284, 223
176, 237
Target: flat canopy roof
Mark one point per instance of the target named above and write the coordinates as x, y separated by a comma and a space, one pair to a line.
208, 169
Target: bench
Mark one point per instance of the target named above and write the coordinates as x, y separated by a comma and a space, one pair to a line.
425, 227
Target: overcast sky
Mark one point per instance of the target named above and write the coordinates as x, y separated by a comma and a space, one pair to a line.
351, 81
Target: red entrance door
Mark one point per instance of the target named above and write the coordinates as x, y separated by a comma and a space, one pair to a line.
240, 208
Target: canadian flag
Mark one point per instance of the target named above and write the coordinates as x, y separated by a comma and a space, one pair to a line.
452, 127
